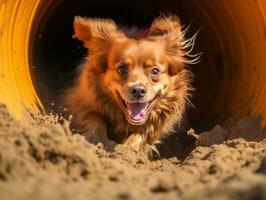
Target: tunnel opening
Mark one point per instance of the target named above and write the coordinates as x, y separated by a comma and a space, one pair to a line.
56, 55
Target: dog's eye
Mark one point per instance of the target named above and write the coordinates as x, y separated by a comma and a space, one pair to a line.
122, 70
155, 71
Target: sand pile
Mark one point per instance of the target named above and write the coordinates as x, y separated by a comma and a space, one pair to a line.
48, 162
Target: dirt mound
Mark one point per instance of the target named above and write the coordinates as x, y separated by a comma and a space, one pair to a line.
48, 162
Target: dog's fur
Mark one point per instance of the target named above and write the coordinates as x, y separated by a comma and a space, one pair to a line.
96, 99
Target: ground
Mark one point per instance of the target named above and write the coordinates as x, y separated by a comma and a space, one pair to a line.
46, 161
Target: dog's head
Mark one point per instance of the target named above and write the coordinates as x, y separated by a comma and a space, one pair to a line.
135, 73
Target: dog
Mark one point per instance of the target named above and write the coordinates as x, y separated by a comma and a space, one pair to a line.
134, 88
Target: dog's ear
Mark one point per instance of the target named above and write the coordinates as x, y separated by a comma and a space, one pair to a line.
97, 36
90, 29
168, 29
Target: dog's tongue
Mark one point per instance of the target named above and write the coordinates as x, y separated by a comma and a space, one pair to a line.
137, 111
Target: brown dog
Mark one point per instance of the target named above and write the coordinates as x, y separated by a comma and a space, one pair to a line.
134, 88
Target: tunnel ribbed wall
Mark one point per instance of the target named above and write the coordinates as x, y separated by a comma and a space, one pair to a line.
231, 76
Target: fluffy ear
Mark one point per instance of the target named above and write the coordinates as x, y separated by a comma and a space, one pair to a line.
88, 29
169, 30
97, 35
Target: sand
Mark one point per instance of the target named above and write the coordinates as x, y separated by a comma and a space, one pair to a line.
46, 161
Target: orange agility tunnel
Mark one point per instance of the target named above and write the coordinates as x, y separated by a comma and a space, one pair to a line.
38, 55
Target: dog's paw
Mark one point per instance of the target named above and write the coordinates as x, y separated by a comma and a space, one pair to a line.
134, 141
108, 144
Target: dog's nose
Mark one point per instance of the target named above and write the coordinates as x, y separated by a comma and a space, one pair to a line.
138, 91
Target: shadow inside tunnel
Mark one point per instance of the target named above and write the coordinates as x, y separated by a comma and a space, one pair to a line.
182, 143
177, 145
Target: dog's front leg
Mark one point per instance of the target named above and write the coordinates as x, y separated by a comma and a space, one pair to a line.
96, 131
134, 141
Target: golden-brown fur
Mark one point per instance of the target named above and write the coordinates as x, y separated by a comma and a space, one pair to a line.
96, 100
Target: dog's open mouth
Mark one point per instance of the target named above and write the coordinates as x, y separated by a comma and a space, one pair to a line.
137, 113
